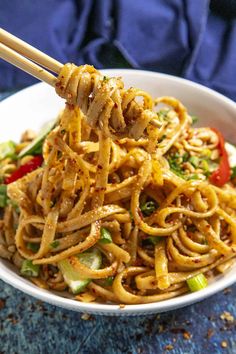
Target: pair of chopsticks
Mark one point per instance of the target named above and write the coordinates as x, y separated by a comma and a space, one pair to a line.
28, 58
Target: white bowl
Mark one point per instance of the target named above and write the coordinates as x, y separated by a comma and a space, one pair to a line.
35, 105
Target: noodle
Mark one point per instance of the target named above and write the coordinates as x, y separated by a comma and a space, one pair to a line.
119, 161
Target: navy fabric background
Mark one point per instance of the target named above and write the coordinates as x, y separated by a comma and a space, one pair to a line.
188, 38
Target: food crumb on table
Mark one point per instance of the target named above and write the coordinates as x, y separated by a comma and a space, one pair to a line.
210, 333
2, 303
226, 316
224, 344
227, 291
85, 317
187, 335
169, 347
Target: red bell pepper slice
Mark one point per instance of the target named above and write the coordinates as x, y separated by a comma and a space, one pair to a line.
29, 166
222, 174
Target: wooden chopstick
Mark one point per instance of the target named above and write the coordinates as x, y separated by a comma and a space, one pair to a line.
27, 65
29, 51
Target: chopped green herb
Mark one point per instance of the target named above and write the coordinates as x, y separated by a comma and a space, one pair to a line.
206, 152
7, 149
3, 201
14, 205
194, 119
55, 244
131, 215
205, 166
193, 176
108, 281
194, 160
3, 195
197, 282
154, 239
191, 228
105, 78
105, 236
163, 114
3, 189
233, 172
175, 161
148, 208
28, 269
185, 157
34, 247
162, 138
63, 131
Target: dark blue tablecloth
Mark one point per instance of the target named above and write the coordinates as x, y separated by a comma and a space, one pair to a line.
30, 326
188, 38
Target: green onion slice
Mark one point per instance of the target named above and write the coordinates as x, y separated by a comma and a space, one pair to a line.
197, 282
34, 247
92, 259
105, 236
7, 149
148, 208
28, 269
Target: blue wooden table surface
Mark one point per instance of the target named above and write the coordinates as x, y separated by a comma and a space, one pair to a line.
31, 327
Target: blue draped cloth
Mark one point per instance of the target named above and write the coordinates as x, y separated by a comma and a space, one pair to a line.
187, 38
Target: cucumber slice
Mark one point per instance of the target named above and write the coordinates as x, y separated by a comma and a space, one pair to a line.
7, 149
92, 259
35, 147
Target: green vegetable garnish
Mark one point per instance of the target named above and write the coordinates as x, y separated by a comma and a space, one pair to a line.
197, 283
55, 244
131, 215
206, 152
175, 161
193, 176
28, 269
7, 149
34, 247
205, 166
163, 114
194, 119
108, 281
92, 259
154, 239
3, 195
35, 147
105, 236
195, 161
14, 205
233, 172
148, 208
185, 156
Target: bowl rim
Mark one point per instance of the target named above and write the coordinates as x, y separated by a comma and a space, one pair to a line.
12, 278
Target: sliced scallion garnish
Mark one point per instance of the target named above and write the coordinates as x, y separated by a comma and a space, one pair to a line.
28, 269
197, 282
105, 236
148, 208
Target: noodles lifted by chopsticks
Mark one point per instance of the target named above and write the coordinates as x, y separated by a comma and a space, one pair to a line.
133, 172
